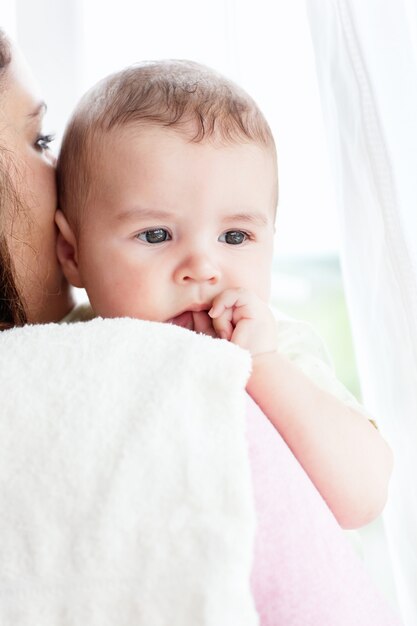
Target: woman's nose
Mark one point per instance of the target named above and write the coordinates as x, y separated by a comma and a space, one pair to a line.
198, 268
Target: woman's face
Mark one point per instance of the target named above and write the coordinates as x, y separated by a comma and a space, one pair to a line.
30, 230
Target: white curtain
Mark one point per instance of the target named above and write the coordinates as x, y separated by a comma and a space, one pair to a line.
367, 70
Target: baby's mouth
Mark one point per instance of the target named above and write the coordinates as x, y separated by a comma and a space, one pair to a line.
185, 320
194, 318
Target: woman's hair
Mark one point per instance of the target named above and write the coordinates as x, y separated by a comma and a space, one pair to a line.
12, 311
189, 98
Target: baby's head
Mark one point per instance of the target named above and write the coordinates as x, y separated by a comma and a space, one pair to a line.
168, 190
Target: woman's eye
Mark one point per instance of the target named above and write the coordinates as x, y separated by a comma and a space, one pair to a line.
43, 141
234, 237
156, 235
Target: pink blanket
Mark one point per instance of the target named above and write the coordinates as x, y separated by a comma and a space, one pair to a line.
305, 572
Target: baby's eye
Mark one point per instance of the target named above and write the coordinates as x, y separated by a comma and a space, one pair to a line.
234, 237
155, 235
43, 141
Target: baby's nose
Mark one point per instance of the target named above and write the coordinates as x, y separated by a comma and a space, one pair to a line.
199, 268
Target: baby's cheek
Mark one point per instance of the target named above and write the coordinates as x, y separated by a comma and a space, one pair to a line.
257, 279
264, 289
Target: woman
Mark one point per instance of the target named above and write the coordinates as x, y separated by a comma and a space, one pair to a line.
32, 286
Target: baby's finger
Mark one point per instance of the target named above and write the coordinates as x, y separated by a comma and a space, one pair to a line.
241, 334
222, 321
223, 325
227, 299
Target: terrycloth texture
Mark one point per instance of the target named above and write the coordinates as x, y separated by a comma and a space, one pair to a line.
126, 495
125, 489
305, 571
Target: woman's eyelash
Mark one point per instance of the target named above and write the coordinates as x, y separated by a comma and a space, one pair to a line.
43, 141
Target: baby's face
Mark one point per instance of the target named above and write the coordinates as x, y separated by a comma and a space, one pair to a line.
171, 224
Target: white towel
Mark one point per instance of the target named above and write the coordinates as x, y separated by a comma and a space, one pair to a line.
125, 488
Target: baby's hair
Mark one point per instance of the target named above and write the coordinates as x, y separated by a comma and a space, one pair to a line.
185, 96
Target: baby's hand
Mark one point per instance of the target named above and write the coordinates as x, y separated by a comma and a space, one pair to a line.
243, 318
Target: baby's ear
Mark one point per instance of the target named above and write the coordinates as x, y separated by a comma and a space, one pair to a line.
66, 248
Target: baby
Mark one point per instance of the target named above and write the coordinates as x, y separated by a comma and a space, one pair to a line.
168, 192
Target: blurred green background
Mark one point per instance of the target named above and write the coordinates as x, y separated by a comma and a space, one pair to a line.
311, 289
